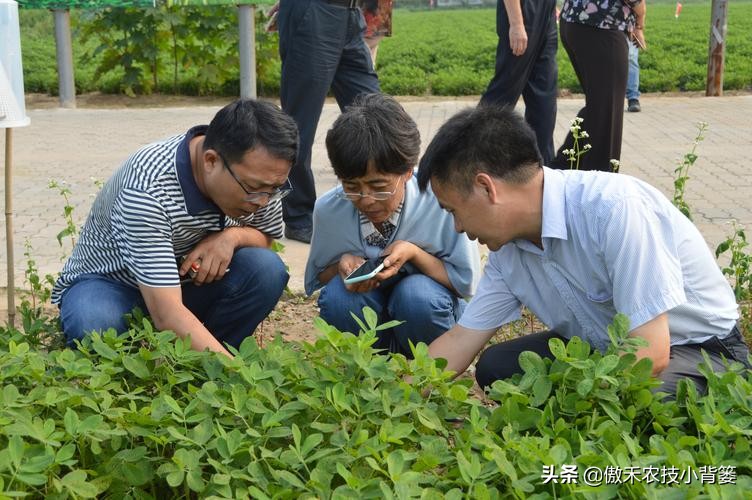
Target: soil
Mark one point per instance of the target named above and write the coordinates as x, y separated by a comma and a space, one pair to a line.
292, 318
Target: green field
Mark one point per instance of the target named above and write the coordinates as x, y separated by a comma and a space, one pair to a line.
438, 52
452, 53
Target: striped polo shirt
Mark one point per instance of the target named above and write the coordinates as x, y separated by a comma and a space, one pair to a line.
148, 215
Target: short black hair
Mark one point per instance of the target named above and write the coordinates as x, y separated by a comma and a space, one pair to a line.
489, 138
374, 129
246, 123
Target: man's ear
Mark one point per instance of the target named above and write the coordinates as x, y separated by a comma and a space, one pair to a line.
212, 160
485, 184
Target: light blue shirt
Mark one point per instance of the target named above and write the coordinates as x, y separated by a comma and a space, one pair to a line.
611, 243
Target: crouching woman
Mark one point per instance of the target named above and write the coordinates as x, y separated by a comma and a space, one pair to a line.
378, 210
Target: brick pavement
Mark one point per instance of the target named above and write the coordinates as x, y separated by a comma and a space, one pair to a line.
77, 145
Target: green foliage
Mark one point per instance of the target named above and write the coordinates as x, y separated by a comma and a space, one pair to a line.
739, 269
428, 45
145, 43
39, 328
600, 410
193, 50
71, 229
682, 172
739, 272
189, 50
142, 415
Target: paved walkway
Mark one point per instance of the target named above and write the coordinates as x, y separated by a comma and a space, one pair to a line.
79, 145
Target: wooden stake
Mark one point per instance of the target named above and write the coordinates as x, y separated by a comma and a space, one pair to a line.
9, 224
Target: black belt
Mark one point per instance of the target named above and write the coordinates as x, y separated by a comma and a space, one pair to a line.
350, 4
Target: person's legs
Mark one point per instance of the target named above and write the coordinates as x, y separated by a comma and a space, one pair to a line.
355, 74
500, 361
311, 34
599, 58
685, 359
633, 73
97, 303
427, 308
511, 72
633, 80
541, 89
233, 307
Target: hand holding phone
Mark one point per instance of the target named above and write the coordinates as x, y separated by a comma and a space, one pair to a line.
367, 270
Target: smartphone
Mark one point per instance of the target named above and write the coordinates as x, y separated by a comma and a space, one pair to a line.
366, 271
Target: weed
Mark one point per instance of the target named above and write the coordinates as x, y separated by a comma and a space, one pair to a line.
577, 150
739, 272
682, 172
39, 328
71, 229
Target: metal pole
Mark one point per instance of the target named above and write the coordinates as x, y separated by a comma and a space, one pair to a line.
247, 50
716, 48
9, 224
64, 51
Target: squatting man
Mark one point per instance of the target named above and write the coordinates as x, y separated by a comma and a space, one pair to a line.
207, 200
575, 248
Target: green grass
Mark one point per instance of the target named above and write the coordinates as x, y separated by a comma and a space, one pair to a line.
452, 52
446, 52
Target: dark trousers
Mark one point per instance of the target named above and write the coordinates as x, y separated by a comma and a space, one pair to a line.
321, 46
533, 75
599, 58
500, 361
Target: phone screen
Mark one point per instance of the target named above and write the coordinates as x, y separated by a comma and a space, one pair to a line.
366, 270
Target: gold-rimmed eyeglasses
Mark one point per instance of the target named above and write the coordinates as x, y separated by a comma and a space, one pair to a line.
259, 197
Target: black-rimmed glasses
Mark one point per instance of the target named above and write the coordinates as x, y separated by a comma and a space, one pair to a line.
259, 197
378, 195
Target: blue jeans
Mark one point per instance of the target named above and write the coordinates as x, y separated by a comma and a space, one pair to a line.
633, 76
230, 308
427, 308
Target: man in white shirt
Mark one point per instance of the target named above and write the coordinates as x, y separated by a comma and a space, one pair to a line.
576, 248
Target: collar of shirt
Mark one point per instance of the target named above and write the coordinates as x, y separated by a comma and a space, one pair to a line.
367, 229
554, 220
195, 201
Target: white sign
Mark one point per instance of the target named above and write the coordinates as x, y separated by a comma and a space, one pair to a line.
12, 105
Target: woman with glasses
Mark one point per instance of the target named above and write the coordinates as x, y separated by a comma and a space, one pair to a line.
378, 210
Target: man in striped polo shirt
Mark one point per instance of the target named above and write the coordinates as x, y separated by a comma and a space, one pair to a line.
183, 230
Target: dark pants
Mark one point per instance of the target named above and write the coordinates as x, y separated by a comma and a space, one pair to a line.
230, 308
599, 58
500, 361
533, 75
321, 46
